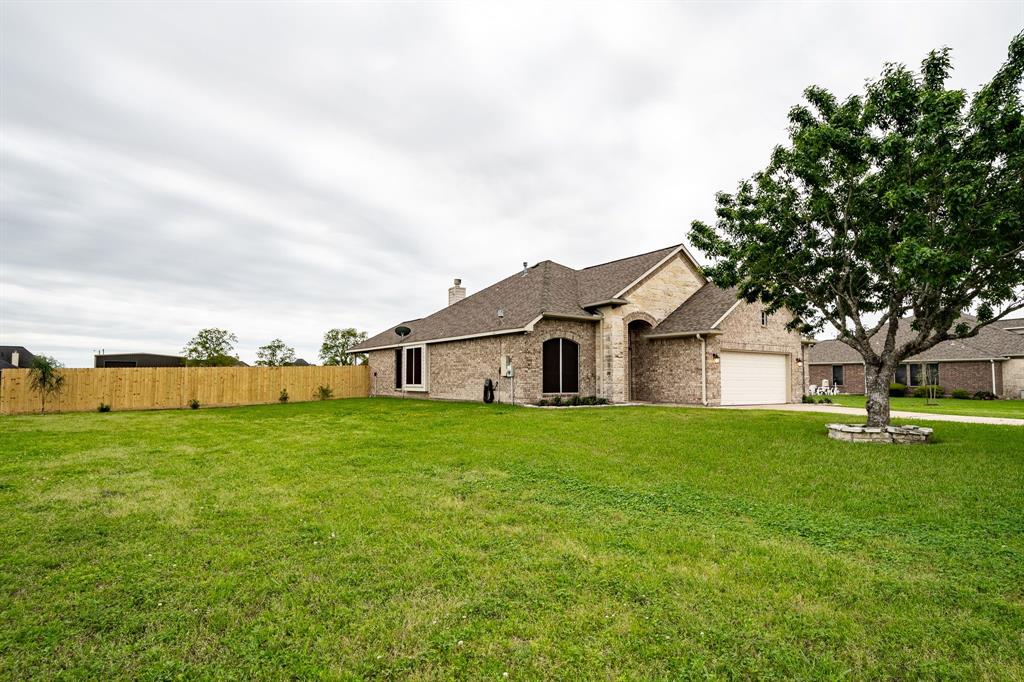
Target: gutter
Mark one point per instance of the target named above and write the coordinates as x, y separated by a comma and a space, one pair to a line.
680, 335
571, 316
607, 301
993, 363
703, 370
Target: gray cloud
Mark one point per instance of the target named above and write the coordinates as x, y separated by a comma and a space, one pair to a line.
279, 169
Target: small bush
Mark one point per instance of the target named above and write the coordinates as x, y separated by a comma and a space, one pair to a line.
897, 390
194, 404
588, 400
324, 393
103, 408
556, 401
807, 399
924, 391
601, 401
984, 395
824, 400
575, 400
542, 402
960, 394
283, 398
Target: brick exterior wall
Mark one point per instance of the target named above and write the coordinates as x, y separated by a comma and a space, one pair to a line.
971, 376
456, 370
853, 377
676, 374
651, 300
1013, 378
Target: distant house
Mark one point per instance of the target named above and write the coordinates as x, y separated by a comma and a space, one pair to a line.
15, 357
991, 361
137, 360
299, 363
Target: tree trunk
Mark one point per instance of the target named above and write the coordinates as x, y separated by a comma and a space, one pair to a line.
876, 386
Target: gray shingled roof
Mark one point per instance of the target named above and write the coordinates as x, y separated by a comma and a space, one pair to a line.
547, 288
1008, 323
990, 342
698, 313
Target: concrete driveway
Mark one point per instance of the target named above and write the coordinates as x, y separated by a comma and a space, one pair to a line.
896, 414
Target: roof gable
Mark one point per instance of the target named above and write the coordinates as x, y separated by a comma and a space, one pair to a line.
546, 289
702, 312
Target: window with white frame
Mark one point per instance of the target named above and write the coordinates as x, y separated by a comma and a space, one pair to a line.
764, 319
413, 368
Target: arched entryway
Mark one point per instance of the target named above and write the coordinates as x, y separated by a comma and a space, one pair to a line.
639, 363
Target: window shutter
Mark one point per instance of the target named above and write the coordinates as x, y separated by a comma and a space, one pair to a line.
570, 366
552, 363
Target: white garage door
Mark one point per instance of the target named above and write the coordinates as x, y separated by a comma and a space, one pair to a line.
753, 378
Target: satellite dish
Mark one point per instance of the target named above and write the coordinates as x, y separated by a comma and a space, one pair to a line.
403, 331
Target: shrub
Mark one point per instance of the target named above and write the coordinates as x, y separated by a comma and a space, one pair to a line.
556, 401
960, 394
588, 400
824, 400
194, 404
103, 408
601, 401
575, 400
809, 399
897, 390
984, 395
324, 393
283, 398
923, 391
542, 402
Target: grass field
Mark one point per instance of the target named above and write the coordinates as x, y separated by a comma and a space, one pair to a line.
386, 538
977, 408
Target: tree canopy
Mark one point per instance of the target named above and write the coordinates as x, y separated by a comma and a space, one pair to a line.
211, 347
275, 354
337, 342
903, 205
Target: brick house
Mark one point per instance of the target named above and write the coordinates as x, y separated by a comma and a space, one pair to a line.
646, 328
991, 361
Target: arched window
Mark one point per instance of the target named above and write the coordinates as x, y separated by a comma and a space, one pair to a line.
561, 366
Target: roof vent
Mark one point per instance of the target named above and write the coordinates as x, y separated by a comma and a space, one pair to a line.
524, 268
501, 312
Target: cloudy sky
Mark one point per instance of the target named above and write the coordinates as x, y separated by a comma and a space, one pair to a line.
280, 169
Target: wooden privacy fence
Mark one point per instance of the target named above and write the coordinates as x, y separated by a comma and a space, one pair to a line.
150, 388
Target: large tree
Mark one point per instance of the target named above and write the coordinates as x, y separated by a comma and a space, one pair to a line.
45, 378
334, 350
899, 209
275, 354
211, 347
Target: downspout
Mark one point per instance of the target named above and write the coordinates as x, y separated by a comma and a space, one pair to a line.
993, 363
703, 370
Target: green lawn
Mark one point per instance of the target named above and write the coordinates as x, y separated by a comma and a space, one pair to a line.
977, 408
389, 538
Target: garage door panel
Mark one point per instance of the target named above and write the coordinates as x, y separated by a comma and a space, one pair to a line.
753, 378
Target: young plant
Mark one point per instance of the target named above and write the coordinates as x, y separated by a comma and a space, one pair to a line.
324, 393
194, 404
283, 398
45, 378
103, 408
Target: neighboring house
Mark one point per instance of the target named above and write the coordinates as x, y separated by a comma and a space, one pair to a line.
137, 360
15, 357
991, 361
299, 362
645, 328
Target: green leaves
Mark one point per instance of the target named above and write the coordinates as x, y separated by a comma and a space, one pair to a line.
906, 199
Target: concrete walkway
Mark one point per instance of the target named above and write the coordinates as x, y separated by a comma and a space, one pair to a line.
896, 414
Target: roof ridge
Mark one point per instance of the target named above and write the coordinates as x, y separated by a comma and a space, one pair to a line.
636, 255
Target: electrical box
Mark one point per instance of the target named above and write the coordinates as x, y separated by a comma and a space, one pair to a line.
506, 366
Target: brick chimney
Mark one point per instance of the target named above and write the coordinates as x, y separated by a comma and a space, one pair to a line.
456, 293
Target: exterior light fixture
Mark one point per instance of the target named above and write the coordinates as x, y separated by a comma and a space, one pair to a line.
714, 358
